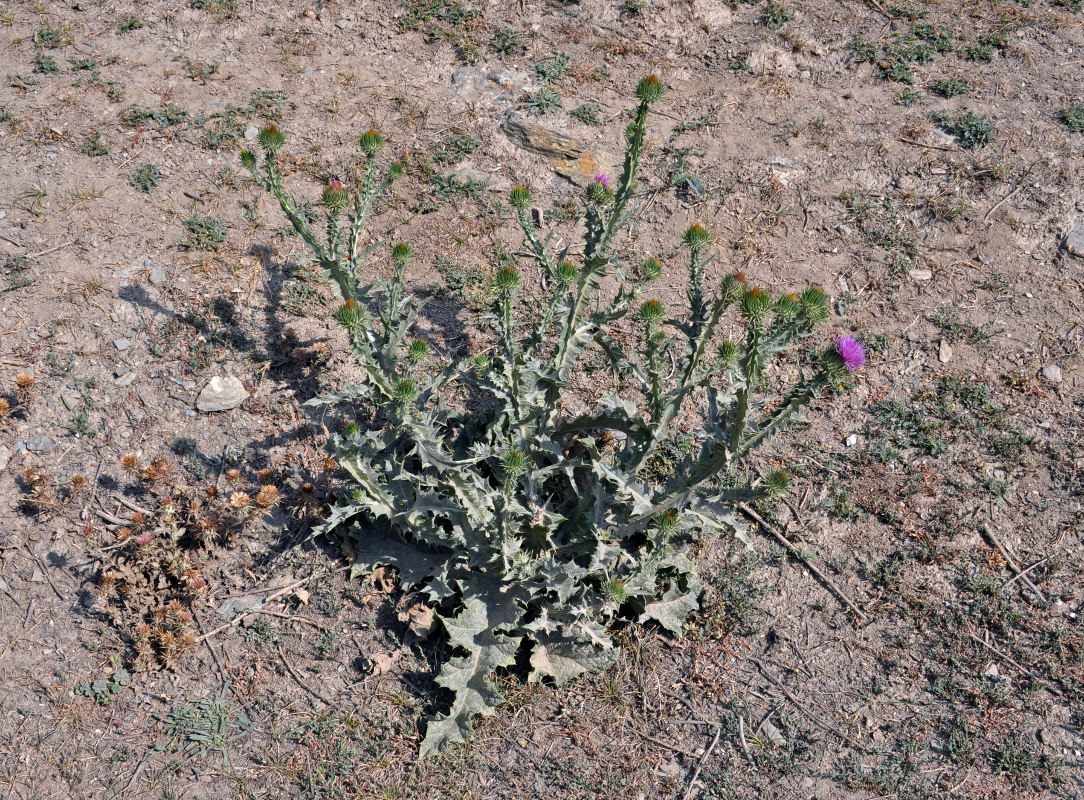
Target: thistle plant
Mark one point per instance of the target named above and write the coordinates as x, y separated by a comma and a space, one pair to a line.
529, 528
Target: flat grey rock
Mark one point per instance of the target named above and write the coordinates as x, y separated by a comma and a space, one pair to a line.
39, 444
944, 352
5, 457
221, 394
158, 276
1074, 240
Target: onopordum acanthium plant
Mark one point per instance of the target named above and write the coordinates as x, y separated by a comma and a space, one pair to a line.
531, 529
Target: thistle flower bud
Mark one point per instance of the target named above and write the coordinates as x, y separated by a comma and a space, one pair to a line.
404, 390
755, 305
728, 354
565, 273
732, 287
271, 139
696, 238
599, 194
352, 428
650, 89
480, 362
520, 197
615, 591
351, 315
787, 307
248, 159
371, 142
650, 269
507, 279
336, 198
651, 312
395, 171
417, 350
667, 522
814, 304
514, 463
401, 254
776, 483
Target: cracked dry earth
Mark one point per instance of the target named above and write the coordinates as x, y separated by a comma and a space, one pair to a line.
820, 142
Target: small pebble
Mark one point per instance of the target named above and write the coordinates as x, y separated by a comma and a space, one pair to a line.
125, 379
122, 344
944, 352
1052, 373
158, 276
251, 132
920, 274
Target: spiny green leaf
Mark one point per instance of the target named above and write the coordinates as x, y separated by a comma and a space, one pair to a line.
563, 659
479, 629
674, 606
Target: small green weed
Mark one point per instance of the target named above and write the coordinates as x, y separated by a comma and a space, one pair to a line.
95, 145
103, 691
980, 52
542, 102
553, 67
776, 15
970, 130
205, 233
908, 97
167, 116
45, 65
208, 725
145, 178
862, 51
508, 41
222, 10
82, 63
950, 87
1073, 117
128, 24
587, 113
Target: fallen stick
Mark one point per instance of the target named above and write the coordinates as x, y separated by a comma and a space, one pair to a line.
992, 538
1008, 659
300, 682
794, 551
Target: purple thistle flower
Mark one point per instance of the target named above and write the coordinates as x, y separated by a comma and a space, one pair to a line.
851, 352
603, 179
335, 184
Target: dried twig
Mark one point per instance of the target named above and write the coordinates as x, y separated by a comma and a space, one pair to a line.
661, 743
1009, 660
813, 717
701, 762
1002, 201
297, 679
794, 551
1021, 574
93, 493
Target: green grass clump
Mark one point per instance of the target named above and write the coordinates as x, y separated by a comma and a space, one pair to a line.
862, 50
145, 178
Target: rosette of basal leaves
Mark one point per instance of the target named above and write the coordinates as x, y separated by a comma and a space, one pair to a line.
529, 529
340, 252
